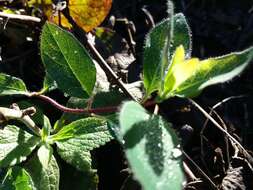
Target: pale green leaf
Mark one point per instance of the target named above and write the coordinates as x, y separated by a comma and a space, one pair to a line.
67, 62
10, 85
45, 153
43, 178
189, 77
76, 140
15, 145
152, 149
17, 179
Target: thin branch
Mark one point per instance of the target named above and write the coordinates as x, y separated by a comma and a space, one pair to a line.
200, 171
20, 17
249, 157
80, 34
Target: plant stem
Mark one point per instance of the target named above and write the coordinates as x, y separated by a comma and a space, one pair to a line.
246, 154
75, 110
20, 17
80, 34
82, 111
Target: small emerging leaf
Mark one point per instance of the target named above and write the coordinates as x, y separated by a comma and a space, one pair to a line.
17, 179
151, 148
67, 62
76, 140
187, 78
10, 85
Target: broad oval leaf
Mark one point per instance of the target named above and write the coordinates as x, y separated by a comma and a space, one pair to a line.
17, 178
15, 145
159, 47
151, 147
88, 14
76, 140
10, 85
43, 178
67, 62
189, 77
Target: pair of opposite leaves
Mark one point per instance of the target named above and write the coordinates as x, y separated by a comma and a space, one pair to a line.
88, 14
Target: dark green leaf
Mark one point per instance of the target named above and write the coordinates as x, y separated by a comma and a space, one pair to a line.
10, 85
17, 179
156, 54
76, 140
15, 145
151, 148
67, 61
159, 48
48, 84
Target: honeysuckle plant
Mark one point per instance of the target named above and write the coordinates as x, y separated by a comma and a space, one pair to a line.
152, 148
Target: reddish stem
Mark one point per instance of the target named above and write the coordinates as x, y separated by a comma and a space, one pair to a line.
76, 110
81, 111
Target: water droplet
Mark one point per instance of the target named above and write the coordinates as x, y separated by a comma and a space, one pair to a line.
148, 43
159, 145
75, 52
54, 58
178, 20
176, 153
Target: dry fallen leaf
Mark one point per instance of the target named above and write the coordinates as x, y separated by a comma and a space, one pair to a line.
88, 14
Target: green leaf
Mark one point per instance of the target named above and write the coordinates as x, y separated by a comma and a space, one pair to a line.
15, 145
158, 48
155, 58
46, 129
189, 77
10, 85
43, 178
17, 179
45, 153
182, 35
49, 84
76, 140
67, 61
151, 147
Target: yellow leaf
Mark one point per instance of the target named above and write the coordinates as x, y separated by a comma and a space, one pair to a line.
88, 14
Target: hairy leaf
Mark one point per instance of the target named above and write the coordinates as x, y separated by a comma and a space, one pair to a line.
10, 85
151, 148
158, 48
76, 140
43, 178
188, 78
15, 145
17, 179
67, 62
